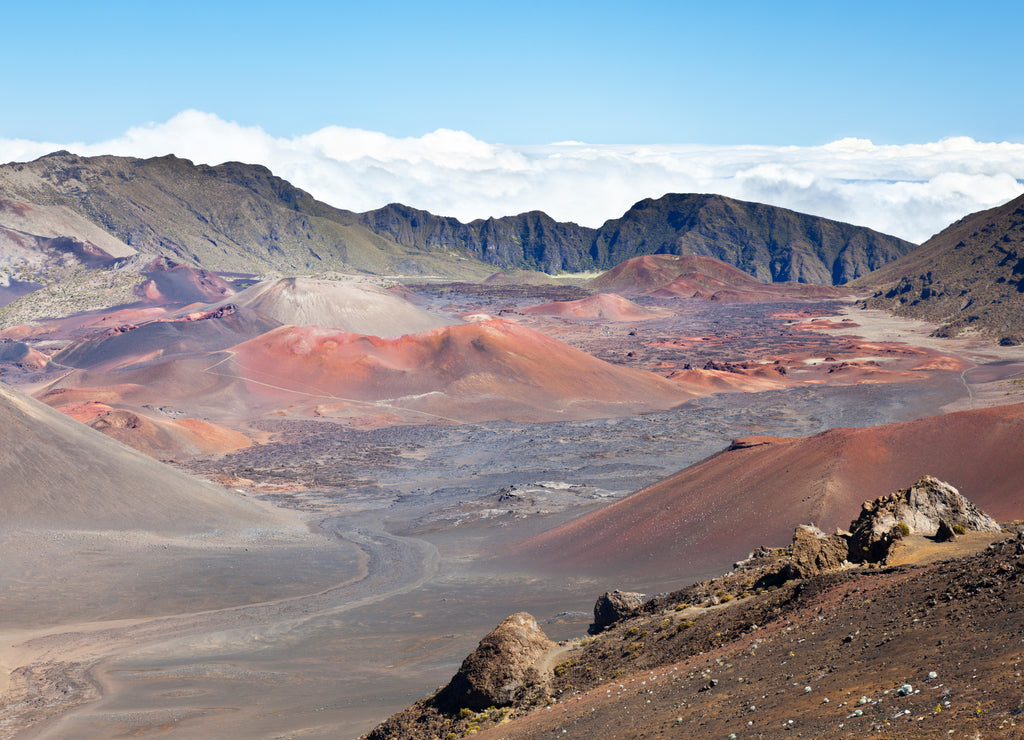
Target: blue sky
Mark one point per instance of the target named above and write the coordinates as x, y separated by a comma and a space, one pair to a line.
799, 73
901, 116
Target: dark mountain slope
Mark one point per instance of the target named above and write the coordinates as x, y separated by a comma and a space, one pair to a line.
969, 276
233, 217
772, 244
240, 217
529, 240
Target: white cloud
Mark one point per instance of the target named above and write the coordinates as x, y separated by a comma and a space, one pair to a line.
911, 190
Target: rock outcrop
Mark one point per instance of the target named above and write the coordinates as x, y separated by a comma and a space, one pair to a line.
500, 669
613, 606
815, 552
915, 510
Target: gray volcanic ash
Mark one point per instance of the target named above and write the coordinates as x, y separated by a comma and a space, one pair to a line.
359, 308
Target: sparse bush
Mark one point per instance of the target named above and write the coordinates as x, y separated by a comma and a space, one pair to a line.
904, 529
959, 529
632, 631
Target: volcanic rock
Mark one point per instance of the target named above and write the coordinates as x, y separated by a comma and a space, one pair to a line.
500, 668
945, 533
919, 508
815, 552
614, 606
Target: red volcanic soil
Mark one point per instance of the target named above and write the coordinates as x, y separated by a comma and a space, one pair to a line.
608, 306
699, 520
158, 438
705, 278
171, 283
486, 370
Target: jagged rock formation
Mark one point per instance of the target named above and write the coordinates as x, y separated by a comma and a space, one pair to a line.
498, 673
501, 666
919, 509
815, 552
614, 606
968, 276
530, 240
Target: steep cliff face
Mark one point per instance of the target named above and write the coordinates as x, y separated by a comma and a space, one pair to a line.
969, 276
772, 244
529, 240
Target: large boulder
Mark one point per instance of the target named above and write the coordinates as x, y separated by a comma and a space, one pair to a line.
500, 669
815, 552
915, 510
614, 606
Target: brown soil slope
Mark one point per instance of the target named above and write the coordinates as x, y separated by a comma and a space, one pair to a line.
969, 276
896, 653
715, 512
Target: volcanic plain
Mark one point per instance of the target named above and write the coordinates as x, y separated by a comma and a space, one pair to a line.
385, 484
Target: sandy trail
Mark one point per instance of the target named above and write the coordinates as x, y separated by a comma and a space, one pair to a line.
76, 655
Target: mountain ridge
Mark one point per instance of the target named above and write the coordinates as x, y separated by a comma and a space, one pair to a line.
243, 218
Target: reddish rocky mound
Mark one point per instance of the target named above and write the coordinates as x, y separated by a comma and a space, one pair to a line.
714, 512
159, 438
607, 306
486, 370
170, 282
653, 271
705, 278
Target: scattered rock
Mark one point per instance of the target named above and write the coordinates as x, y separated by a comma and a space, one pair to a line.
614, 606
501, 667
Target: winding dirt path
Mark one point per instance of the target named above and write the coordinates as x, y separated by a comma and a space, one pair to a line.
64, 668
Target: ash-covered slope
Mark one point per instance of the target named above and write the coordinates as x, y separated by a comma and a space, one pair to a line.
232, 217
59, 474
719, 509
969, 276
772, 244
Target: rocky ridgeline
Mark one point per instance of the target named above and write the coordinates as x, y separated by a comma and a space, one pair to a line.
514, 668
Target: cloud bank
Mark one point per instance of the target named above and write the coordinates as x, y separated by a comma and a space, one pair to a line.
911, 191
